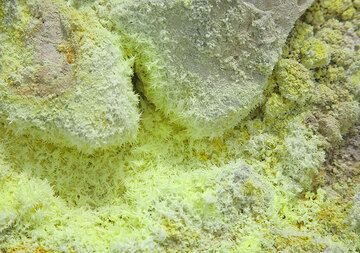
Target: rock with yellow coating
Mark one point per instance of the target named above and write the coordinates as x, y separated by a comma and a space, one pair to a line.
315, 53
63, 77
205, 63
294, 81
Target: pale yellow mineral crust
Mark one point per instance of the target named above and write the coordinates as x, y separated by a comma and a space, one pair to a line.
106, 108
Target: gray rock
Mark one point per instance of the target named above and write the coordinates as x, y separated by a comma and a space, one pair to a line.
205, 63
64, 77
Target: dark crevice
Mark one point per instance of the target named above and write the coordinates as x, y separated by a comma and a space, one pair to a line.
138, 89
137, 85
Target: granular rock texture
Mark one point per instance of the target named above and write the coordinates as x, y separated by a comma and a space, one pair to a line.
205, 63
64, 77
91, 166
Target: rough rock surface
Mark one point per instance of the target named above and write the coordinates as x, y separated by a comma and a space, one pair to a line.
206, 62
64, 77
261, 187
55, 74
